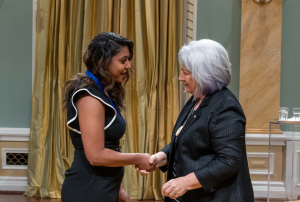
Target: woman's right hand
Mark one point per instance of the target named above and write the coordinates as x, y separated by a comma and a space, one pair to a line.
157, 160
143, 162
153, 161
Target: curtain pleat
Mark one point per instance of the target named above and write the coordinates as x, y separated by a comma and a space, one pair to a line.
153, 94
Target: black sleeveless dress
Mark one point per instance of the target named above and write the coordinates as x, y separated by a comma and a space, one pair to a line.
84, 182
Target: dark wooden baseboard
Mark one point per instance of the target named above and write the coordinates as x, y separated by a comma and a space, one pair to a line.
11, 192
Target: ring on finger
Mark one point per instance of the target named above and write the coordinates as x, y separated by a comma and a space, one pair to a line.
173, 194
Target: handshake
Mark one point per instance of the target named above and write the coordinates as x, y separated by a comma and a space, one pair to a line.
147, 163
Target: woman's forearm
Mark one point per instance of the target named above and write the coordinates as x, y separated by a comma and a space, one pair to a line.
111, 158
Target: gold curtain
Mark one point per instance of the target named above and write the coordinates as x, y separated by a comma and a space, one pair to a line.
153, 95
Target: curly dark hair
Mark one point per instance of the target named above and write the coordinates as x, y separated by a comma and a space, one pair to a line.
97, 58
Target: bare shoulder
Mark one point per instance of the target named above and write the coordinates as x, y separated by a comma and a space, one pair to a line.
86, 102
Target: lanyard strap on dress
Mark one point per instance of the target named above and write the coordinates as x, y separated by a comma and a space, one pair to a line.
99, 84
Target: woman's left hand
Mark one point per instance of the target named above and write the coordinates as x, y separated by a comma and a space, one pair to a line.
123, 196
175, 188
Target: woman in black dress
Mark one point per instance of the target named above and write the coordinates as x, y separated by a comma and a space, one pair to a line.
94, 101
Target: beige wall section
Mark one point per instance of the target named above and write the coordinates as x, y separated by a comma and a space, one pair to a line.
261, 163
15, 172
260, 63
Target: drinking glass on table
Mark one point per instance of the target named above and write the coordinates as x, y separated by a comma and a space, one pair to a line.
296, 112
283, 113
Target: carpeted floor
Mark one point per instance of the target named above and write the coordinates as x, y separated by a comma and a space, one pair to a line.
21, 198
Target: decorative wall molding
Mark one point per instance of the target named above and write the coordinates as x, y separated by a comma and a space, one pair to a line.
14, 134
34, 9
292, 135
277, 189
292, 169
277, 139
263, 131
264, 155
263, 139
13, 150
195, 20
190, 20
8, 183
296, 168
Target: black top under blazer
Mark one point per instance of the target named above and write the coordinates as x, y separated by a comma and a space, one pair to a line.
213, 147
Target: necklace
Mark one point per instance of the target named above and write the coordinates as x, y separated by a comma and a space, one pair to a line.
191, 112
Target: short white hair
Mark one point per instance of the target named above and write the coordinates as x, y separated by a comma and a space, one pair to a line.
209, 64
